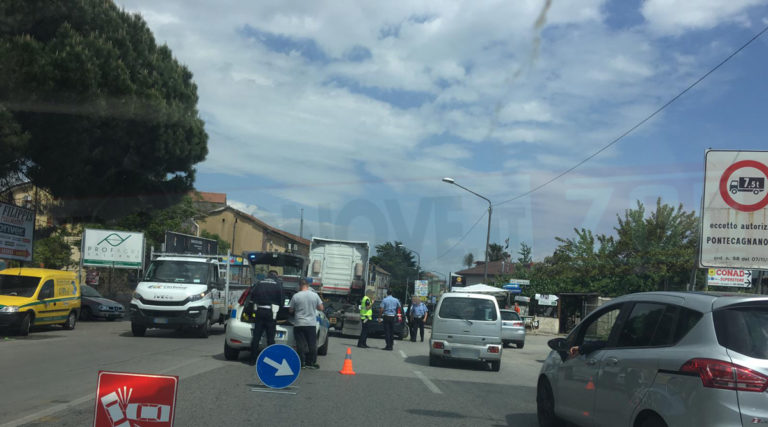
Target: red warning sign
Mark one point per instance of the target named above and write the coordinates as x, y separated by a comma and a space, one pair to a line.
135, 400
750, 184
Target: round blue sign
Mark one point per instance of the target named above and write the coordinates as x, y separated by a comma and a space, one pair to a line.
278, 366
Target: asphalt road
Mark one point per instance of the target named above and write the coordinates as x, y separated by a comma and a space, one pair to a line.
49, 379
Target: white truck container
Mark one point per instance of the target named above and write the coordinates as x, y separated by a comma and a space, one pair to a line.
340, 266
179, 291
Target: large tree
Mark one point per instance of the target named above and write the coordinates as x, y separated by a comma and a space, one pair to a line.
106, 119
399, 262
496, 252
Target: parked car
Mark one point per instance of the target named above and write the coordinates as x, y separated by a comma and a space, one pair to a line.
38, 296
239, 329
661, 359
376, 328
95, 306
512, 329
466, 326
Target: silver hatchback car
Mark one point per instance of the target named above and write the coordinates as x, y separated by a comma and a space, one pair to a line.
661, 359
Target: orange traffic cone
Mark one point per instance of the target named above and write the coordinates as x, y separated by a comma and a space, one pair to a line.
347, 368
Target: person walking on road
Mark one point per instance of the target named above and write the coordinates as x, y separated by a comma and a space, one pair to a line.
264, 294
366, 315
418, 315
304, 306
387, 312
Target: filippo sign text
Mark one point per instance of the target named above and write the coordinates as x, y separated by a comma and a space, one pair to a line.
121, 249
735, 215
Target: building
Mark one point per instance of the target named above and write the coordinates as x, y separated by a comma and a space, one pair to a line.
27, 195
206, 202
379, 280
474, 275
246, 233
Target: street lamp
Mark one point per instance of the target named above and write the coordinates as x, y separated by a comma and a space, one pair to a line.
488, 235
418, 267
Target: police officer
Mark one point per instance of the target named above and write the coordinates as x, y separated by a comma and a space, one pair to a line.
264, 294
387, 312
366, 315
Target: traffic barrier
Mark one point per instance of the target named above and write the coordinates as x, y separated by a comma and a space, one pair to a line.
347, 368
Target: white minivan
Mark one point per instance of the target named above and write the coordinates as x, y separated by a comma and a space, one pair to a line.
466, 326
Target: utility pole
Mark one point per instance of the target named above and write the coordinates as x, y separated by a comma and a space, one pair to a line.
301, 224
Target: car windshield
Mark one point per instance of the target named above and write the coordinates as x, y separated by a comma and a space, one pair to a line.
18, 286
88, 291
468, 309
509, 315
744, 329
177, 272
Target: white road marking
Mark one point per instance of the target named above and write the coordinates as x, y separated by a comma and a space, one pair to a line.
91, 396
430, 385
402, 353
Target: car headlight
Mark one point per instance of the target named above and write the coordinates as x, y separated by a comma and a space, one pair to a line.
103, 308
196, 297
9, 309
137, 295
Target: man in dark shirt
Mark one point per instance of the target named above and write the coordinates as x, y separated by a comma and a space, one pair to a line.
264, 294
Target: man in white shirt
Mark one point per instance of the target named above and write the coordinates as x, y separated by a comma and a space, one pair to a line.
304, 305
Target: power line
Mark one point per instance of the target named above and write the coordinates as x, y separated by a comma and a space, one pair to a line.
461, 239
640, 123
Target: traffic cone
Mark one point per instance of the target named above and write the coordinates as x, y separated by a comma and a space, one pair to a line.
347, 368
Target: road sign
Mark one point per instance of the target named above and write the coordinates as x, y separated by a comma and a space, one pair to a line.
734, 232
126, 400
107, 248
17, 226
178, 243
729, 277
512, 288
278, 366
521, 282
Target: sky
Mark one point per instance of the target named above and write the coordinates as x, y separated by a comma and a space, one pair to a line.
352, 112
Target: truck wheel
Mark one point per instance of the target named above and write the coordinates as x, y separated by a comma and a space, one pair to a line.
323, 350
230, 353
205, 329
71, 321
521, 344
138, 330
26, 322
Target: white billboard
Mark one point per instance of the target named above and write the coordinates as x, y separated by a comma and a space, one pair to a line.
729, 277
734, 226
107, 248
422, 288
17, 228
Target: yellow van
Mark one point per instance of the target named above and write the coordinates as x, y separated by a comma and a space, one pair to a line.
38, 296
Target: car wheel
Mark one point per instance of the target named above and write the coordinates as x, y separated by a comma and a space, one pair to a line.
323, 350
230, 353
138, 330
86, 314
71, 321
111, 319
520, 344
434, 360
205, 329
496, 366
545, 405
26, 322
653, 420
504, 344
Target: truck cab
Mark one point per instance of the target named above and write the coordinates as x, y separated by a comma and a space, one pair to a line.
177, 292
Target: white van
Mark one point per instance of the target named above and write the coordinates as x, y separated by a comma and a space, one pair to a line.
466, 327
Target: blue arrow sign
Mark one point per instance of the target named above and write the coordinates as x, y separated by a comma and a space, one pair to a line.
278, 366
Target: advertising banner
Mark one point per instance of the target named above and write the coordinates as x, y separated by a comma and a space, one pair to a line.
107, 248
17, 228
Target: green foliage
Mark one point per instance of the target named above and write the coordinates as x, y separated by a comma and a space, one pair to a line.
105, 118
525, 254
53, 252
222, 244
469, 260
399, 262
496, 252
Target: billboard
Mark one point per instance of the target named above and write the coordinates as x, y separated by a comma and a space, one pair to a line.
178, 243
421, 288
108, 248
457, 281
17, 228
734, 229
729, 277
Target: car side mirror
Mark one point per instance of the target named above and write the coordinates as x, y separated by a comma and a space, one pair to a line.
559, 345
220, 283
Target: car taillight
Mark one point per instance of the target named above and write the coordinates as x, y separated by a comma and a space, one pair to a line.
438, 345
244, 296
726, 375
493, 349
234, 341
517, 324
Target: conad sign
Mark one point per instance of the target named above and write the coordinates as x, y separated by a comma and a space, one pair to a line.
729, 277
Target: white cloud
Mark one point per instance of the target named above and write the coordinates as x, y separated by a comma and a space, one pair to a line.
675, 17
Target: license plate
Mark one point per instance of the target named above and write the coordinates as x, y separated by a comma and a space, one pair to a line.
280, 334
161, 320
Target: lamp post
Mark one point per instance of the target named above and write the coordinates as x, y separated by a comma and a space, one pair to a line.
418, 267
488, 234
